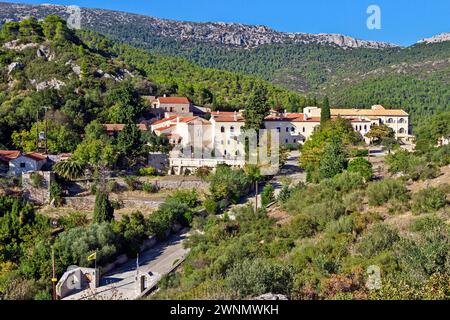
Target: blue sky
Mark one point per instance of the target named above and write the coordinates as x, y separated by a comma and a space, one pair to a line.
403, 21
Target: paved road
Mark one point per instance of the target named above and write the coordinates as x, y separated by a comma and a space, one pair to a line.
120, 284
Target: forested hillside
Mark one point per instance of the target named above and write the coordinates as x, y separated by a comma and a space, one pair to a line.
415, 78
83, 76
352, 76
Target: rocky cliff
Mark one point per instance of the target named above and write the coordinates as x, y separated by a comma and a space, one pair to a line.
229, 34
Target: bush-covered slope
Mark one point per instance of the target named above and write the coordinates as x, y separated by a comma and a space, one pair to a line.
83, 76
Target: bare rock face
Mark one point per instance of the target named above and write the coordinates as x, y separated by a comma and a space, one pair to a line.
17, 46
44, 52
48, 84
436, 39
14, 66
228, 34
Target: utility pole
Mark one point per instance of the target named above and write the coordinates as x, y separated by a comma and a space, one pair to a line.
256, 196
37, 131
54, 279
46, 130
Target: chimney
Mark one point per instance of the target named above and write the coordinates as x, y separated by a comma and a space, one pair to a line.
178, 120
165, 95
235, 116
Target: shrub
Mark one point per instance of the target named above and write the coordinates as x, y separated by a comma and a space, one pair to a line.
37, 180
150, 187
380, 238
429, 200
302, 226
75, 245
211, 206
74, 220
354, 153
381, 192
147, 172
203, 172
229, 184
56, 193
361, 166
267, 195
132, 183
112, 186
132, 232
256, 277
347, 181
187, 197
284, 194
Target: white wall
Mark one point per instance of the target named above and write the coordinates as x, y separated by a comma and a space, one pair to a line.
16, 168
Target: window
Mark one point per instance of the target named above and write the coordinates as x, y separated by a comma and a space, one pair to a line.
287, 130
286, 141
222, 129
22, 164
295, 140
401, 131
304, 129
365, 127
279, 129
232, 129
229, 142
401, 120
292, 129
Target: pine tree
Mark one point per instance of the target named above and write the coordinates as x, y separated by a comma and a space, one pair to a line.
325, 111
333, 161
103, 211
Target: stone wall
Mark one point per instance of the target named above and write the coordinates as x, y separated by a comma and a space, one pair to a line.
41, 194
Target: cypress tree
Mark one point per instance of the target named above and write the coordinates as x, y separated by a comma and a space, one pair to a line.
103, 211
325, 111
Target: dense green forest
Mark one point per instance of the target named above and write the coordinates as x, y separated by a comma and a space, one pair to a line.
84, 76
413, 78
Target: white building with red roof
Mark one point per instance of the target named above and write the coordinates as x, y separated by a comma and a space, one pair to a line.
169, 106
19, 163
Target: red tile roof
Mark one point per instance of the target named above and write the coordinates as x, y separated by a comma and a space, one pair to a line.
8, 155
35, 156
119, 127
173, 100
190, 119
164, 120
170, 126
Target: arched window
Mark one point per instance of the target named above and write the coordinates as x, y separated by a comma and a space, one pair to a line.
390, 120
222, 129
401, 131
232, 129
401, 120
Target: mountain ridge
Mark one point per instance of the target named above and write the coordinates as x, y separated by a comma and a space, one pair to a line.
228, 34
